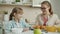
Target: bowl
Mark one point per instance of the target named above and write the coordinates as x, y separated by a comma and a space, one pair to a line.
50, 28
58, 29
17, 30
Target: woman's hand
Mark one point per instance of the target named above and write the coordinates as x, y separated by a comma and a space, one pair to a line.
47, 9
58, 22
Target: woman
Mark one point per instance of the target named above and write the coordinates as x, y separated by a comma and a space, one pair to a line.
47, 18
16, 20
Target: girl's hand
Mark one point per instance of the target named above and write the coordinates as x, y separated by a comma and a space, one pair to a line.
25, 29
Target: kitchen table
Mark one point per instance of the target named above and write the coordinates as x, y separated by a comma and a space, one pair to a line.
31, 32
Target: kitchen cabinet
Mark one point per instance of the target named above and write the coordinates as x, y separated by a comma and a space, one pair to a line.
0, 0
33, 3
27, 2
10, 2
15, 2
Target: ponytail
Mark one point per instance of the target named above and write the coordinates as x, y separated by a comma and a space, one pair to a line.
14, 11
10, 17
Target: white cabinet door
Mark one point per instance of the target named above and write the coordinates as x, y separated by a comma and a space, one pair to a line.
36, 3
1, 31
0, 0
27, 2
8, 1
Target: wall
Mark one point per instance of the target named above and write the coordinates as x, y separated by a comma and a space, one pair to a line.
29, 12
56, 6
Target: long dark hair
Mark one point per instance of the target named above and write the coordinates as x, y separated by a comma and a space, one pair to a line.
14, 11
49, 4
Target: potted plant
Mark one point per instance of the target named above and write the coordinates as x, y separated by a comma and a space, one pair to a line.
17, 0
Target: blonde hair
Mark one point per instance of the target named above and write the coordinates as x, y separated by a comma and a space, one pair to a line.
49, 4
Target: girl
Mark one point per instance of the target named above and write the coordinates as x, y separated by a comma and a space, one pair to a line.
16, 20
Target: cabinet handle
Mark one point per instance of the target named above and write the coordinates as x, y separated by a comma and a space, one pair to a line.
0, 27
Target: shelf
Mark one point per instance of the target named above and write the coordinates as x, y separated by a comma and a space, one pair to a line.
37, 6
8, 4
30, 4
26, 4
33, 3
13, 3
